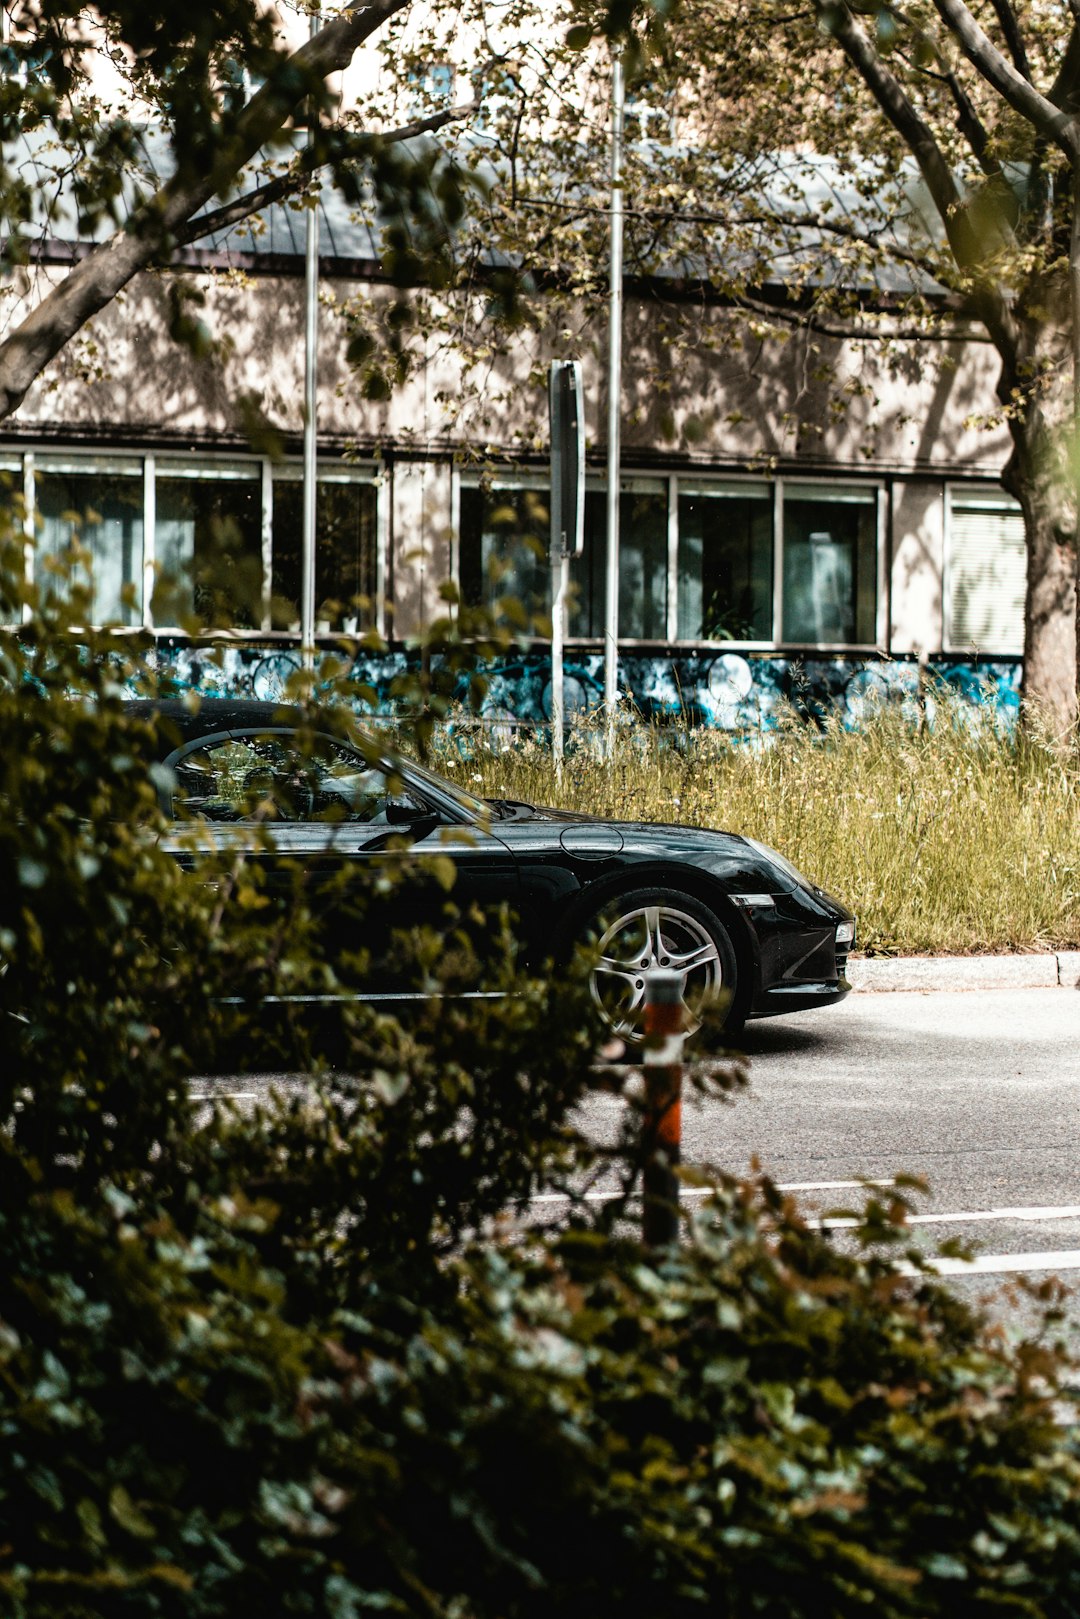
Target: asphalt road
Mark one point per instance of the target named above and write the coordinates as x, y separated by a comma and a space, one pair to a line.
976, 1091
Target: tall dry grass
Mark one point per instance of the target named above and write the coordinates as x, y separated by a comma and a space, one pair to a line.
951, 836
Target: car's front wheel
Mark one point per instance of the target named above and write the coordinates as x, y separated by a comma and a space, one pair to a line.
654, 927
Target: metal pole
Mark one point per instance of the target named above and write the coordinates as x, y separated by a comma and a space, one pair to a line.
561, 566
1074, 284
611, 598
311, 341
662, 1144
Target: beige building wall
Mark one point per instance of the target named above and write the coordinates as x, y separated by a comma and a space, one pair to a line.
715, 397
917, 573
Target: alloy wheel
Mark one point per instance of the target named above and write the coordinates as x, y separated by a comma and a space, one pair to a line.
647, 937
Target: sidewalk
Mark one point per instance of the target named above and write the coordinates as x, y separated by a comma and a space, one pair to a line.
1042, 971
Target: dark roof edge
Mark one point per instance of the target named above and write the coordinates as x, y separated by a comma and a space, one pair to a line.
672, 289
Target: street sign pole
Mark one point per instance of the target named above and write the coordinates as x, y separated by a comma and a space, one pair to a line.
567, 420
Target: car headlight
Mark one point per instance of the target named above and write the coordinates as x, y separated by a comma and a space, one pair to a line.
779, 864
845, 933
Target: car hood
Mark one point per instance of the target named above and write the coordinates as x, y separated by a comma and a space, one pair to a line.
702, 844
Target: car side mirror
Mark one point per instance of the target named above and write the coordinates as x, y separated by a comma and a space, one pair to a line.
406, 812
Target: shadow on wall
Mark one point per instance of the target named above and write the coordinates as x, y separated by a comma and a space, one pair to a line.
754, 397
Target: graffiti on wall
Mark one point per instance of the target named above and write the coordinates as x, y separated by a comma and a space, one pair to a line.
735, 692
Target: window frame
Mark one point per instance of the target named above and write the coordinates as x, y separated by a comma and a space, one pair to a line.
509, 478
1000, 502
336, 472
700, 482
876, 486
73, 462
26, 464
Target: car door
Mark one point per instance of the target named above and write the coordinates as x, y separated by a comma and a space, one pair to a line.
377, 857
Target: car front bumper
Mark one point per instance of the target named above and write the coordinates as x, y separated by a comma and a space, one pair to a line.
799, 962
800, 997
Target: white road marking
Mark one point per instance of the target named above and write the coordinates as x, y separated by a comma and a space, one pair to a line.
225, 1096
590, 1197
830, 1186
998, 1264
1063, 1211
704, 1191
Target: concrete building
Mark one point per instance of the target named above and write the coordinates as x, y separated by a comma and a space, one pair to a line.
773, 545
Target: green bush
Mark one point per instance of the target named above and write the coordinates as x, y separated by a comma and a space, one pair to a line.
317, 1358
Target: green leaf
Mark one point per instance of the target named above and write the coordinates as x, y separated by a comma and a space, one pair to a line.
128, 1515
943, 1566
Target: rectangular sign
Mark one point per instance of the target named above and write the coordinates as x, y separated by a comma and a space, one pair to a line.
567, 415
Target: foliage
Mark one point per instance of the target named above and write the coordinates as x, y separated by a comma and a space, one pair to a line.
950, 836
858, 185
929, 184
139, 133
318, 1358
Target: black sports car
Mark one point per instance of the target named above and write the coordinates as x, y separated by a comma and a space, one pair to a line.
733, 916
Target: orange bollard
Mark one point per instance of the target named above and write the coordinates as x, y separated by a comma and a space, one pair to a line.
662, 1143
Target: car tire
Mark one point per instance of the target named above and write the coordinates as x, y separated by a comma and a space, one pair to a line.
647, 928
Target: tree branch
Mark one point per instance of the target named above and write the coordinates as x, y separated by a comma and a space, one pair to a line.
807, 221
1037, 217
1000, 74
1067, 84
971, 126
284, 185
967, 119
915, 132
110, 266
1009, 26
887, 327
945, 194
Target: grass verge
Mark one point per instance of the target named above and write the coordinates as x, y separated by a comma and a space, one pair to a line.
945, 837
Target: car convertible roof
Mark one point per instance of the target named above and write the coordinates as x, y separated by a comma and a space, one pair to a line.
217, 714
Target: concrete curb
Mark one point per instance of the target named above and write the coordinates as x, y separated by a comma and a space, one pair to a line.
881, 973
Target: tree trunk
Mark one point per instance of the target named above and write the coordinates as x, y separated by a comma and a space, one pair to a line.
1048, 688
1038, 392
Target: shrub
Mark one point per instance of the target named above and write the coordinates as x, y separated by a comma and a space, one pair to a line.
317, 1359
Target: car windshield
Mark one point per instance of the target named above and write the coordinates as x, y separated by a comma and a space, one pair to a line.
478, 809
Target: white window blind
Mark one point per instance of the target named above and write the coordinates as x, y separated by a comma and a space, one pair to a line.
986, 565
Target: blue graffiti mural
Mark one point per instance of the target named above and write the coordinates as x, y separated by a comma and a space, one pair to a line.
741, 693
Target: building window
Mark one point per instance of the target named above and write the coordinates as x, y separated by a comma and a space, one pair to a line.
643, 572
650, 117
431, 87
985, 572
504, 539
711, 542
216, 540
830, 565
725, 575
345, 552
502, 101
208, 544
98, 508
